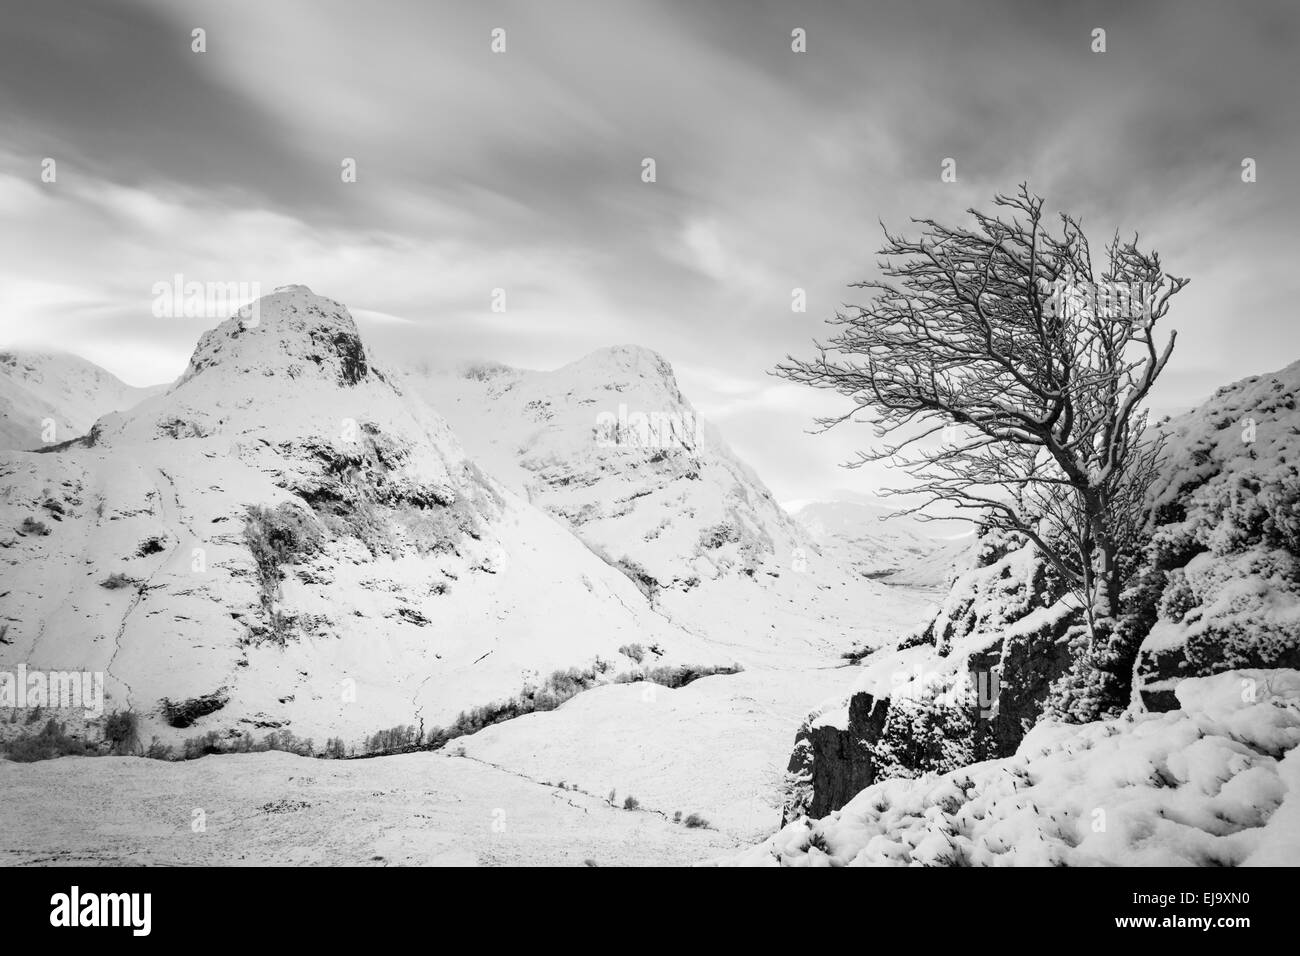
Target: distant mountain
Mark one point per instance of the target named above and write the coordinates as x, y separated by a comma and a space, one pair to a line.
875, 543
50, 397
288, 540
611, 447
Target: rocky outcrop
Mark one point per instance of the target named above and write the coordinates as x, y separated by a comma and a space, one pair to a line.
1222, 569
968, 686
830, 765
1216, 587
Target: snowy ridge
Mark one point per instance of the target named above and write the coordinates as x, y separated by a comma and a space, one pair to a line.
40, 388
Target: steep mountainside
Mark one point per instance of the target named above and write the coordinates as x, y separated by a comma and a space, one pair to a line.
47, 397
287, 539
610, 446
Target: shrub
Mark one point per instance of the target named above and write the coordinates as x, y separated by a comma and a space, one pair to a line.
718, 535
32, 526
118, 580
696, 822
159, 751
631, 803
52, 741
646, 583
635, 651
934, 731
401, 737
122, 731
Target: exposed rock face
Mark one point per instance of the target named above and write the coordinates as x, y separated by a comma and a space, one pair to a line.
830, 765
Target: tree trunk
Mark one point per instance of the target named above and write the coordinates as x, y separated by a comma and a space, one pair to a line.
1105, 566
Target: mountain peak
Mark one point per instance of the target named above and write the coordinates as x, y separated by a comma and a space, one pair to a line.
292, 332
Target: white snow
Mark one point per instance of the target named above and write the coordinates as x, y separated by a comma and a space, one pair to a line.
1214, 783
40, 389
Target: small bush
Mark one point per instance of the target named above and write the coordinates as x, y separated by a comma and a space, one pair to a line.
122, 731
631, 803
32, 526
118, 580
52, 741
159, 751
635, 651
150, 546
696, 822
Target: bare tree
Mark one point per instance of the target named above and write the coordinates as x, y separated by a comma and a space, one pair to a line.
1029, 367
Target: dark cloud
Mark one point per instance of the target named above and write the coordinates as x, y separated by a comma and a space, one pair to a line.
522, 170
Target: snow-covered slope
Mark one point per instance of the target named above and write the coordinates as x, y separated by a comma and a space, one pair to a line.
1221, 581
609, 445
878, 544
49, 397
381, 578
1215, 783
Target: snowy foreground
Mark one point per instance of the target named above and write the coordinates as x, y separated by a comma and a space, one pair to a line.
422, 809
716, 747
1216, 783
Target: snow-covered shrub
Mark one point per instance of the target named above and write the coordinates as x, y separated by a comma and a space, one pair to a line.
930, 730
34, 526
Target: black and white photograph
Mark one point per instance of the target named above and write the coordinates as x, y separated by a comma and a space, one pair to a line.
649, 434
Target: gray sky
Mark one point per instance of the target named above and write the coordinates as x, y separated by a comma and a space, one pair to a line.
522, 171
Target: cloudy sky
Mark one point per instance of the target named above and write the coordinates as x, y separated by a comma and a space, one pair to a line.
522, 170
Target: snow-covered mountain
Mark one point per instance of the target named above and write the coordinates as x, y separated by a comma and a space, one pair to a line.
611, 447
50, 397
288, 539
877, 543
